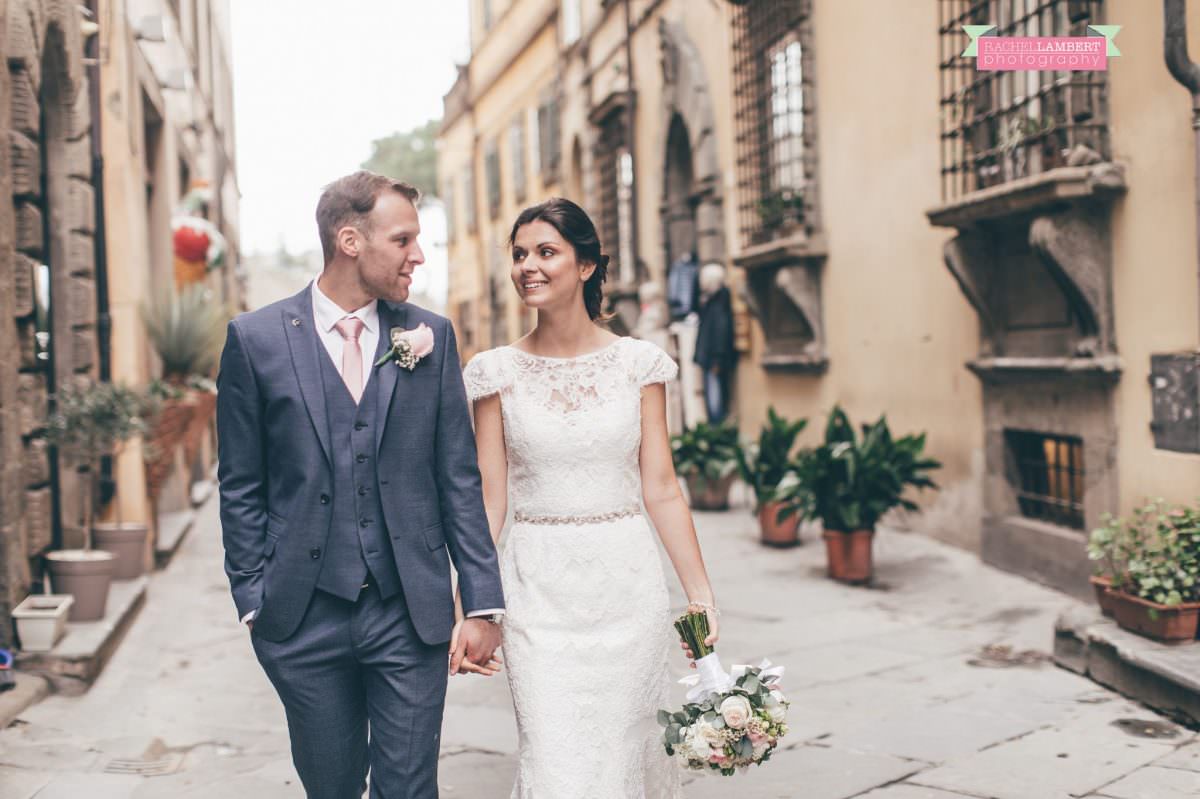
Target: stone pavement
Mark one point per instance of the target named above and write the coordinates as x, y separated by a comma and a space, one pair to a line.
896, 693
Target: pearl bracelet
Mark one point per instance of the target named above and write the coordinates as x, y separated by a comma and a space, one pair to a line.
705, 606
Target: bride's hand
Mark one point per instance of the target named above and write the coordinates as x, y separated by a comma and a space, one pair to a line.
461, 664
714, 630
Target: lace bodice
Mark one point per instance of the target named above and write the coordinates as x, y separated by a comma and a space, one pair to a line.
572, 426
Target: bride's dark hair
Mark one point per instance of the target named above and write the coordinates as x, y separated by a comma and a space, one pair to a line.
576, 228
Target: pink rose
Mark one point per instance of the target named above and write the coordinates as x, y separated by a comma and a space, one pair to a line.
420, 339
757, 737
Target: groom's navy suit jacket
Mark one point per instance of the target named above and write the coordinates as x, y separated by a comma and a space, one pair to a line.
277, 480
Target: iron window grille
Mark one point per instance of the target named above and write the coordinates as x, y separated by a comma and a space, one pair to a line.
1000, 126
1049, 473
549, 139
491, 168
775, 122
613, 195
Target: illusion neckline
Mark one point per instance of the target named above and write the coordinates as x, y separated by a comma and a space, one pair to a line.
584, 356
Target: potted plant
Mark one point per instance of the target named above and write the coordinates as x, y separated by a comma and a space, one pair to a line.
1156, 591
41, 620
706, 456
764, 466
1110, 547
849, 483
89, 422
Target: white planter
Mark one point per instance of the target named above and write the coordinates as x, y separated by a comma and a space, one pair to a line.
42, 620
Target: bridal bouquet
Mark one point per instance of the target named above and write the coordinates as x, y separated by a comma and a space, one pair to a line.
731, 721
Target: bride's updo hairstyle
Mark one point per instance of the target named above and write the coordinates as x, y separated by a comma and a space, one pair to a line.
576, 228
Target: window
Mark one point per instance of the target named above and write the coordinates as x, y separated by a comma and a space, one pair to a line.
491, 169
1048, 472
774, 94
470, 200
549, 133
485, 7
614, 168
571, 19
535, 143
516, 143
466, 324
448, 200
1000, 126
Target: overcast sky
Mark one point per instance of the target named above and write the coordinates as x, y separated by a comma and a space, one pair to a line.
314, 88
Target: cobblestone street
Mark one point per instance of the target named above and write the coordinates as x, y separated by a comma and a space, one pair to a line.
896, 693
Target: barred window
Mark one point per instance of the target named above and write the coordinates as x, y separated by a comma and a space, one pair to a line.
491, 169
470, 200
614, 172
535, 143
1047, 471
516, 143
549, 134
1000, 126
774, 96
466, 324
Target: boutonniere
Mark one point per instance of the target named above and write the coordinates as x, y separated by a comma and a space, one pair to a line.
408, 346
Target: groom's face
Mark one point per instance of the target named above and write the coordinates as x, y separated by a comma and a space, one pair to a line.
389, 252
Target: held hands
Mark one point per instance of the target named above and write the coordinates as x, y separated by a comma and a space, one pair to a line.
713, 615
473, 644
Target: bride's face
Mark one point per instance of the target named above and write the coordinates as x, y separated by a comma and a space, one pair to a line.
545, 271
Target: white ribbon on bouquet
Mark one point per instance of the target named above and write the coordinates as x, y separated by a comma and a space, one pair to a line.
711, 678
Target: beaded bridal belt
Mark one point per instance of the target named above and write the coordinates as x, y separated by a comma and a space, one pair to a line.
524, 518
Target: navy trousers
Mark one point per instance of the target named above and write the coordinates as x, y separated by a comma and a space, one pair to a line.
362, 693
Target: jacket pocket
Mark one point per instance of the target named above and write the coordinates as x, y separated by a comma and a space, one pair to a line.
434, 537
269, 549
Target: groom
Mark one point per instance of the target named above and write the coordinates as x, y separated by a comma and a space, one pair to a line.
343, 485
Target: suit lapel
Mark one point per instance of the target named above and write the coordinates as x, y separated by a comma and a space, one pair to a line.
386, 374
304, 340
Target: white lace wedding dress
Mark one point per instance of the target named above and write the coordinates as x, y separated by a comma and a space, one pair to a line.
588, 627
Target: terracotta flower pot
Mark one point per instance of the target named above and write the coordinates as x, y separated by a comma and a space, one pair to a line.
777, 533
127, 542
84, 574
1103, 588
709, 494
170, 427
849, 555
204, 405
1167, 623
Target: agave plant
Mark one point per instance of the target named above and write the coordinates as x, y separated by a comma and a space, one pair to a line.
850, 482
765, 464
187, 330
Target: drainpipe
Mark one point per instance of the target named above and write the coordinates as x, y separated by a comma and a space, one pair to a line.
1187, 73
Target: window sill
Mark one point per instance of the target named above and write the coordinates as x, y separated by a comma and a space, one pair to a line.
1031, 194
1102, 369
786, 250
800, 363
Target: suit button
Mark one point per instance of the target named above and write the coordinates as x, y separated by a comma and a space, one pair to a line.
362, 491
314, 553
324, 499
364, 521
360, 425
361, 458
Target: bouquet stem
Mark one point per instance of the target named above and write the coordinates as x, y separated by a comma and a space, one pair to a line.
693, 629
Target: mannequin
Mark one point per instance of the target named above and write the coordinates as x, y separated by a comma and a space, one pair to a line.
715, 352
681, 286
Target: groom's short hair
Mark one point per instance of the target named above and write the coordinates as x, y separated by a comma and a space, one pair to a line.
349, 201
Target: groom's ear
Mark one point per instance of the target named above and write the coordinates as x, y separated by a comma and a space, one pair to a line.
347, 241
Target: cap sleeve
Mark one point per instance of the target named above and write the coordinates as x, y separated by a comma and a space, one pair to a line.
653, 365
484, 375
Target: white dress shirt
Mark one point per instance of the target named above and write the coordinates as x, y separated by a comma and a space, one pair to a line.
327, 314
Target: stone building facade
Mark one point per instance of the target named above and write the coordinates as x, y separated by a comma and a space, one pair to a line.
48, 311
1005, 261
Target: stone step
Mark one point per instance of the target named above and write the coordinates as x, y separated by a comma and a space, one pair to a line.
87, 646
1165, 677
172, 528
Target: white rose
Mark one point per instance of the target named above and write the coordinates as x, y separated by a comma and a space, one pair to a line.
698, 745
711, 735
760, 749
775, 707
736, 711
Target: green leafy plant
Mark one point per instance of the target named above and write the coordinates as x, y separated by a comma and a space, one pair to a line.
850, 482
765, 464
1154, 555
187, 330
708, 452
93, 420
778, 206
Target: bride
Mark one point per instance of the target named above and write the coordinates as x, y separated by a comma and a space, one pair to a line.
570, 422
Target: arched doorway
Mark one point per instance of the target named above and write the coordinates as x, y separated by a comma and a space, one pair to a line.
679, 207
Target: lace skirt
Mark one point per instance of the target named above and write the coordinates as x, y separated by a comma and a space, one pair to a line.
587, 634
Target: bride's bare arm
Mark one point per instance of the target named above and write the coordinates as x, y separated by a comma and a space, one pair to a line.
493, 461
666, 506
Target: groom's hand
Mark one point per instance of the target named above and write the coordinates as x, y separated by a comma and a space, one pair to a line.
473, 646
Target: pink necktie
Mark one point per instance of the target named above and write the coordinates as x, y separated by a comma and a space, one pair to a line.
352, 367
